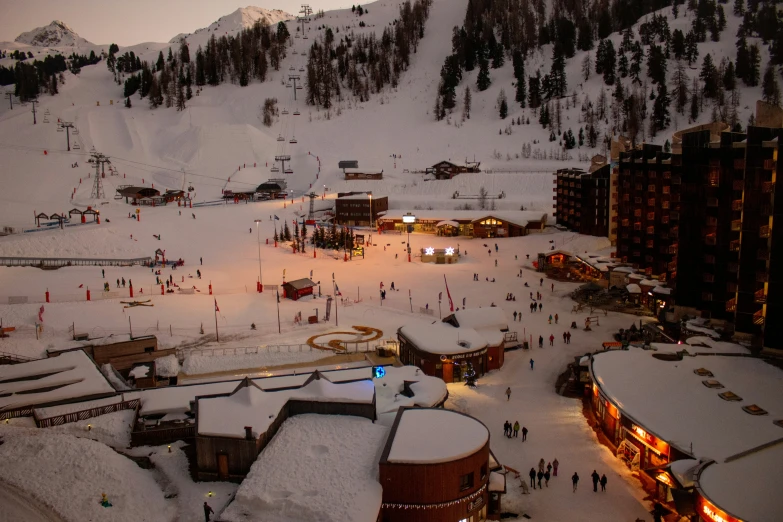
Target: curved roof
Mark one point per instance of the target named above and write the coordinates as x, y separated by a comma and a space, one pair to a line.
442, 338
430, 436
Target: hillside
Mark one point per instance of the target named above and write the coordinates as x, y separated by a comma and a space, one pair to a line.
56, 34
242, 18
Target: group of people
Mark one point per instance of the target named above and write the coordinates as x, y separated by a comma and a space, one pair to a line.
534, 305
545, 472
512, 430
512, 297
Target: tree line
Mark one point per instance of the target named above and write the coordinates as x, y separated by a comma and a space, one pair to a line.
33, 78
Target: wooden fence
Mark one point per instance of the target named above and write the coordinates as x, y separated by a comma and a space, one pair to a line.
18, 412
86, 414
156, 437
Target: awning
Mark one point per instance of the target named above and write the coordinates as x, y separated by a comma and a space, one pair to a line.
448, 222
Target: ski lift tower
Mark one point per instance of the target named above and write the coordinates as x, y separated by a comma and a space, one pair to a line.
305, 18
282, 159
311, 214
293, 78
99, 160
67, 125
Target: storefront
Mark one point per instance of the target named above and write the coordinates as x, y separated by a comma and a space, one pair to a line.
441, 350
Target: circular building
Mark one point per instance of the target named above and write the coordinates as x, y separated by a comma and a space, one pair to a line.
435, 467
442, 350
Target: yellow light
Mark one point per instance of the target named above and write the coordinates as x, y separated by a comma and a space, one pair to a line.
169, 448
663, 477
89, 427
210, 494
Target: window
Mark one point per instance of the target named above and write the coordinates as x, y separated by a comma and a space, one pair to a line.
666, 190
651, 188
466, 481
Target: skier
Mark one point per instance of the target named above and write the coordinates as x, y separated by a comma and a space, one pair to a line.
198, 273
603, 482
207, 512
496, 247
531, 363
524, 434
532, 475
555, 464
508, 393
551, 339
575, 480
564, 337
515, 316
595, 478
516, 429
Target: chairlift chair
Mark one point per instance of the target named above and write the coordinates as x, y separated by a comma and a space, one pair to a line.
117, 195
292, 68
76, 146
301, 68
297, 113
46, 120
59, 129
285, 111
75, 131
46, 112
295, 52
289, 171
293, 140
275, 169
280, 138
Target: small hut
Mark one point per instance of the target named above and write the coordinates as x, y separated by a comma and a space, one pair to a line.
297, 289
39, 217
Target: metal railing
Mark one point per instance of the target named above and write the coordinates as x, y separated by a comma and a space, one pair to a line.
59, 262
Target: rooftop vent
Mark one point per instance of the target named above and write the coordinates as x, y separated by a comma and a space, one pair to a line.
729, 396
754, 410
712, 383
703, 372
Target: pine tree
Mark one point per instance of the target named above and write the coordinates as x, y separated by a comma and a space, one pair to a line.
709, 77
587, 66
483, 81
502, 105
678, 44
691, 47
180, 97
521, 81
466, 104
754, 64
184, 52
695, 105
534, 91
635, 69
438, 108
680, 88
543, 116
154, 93
660, 115
557, 77
286, 232
770, 90
729, 79
739, 7
159, 65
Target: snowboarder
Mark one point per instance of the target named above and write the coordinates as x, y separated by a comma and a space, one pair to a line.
547, 476
551, 339
508, 393
595, 478
540, 342
540, 306
515, 316
603, 482
531, 363
516, 429
524, 434
532, 475
575, 480
555, 464
207, 512
556, 318
540, 476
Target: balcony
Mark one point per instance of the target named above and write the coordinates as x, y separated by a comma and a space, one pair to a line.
765, 209
713, 178
710, 239
649, 244
736, 225
738, 184
650, 230
651, 202
736, 204
768, 187
673, 249
760, 296
672, 265
764, 231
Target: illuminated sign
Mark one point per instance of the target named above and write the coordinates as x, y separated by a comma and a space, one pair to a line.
664, 477
450, 251
639, 431
429, 251
378, 372
712, 515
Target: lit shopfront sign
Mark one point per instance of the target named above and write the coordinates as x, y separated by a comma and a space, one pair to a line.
707, 511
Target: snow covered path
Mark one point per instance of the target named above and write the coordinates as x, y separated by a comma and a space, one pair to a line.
19, 506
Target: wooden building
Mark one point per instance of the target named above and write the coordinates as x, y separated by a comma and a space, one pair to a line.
123, 354
134, 195
583, 200
360, 210
297, 289
428, 476
470, 223
232, 429
447, 169
363, 175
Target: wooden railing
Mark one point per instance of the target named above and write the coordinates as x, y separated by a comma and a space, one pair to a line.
156, 437
87, 414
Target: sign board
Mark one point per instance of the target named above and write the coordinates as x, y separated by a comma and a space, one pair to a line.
359, 239
358, 251
348, 164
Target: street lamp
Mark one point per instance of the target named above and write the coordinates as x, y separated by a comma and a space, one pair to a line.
370, 210
258, 235
409, 219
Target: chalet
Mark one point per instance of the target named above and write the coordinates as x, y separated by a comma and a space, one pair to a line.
447, 170
133, 195
297, 289
364, 175
470, 223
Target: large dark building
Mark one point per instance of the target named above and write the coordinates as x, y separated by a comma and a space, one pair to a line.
648, 197
355, 210
728, 242
582, 200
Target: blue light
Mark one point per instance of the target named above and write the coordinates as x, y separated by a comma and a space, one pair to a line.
378, 372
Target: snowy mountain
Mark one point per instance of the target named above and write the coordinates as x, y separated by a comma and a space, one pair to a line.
56, 34
240, 19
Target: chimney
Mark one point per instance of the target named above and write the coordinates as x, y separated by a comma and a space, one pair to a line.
248, 432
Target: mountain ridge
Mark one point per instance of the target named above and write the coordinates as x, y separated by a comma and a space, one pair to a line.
57, 33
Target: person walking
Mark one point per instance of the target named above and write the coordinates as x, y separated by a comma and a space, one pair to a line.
496, 263
123, 282
508, 393
549, 467
540, 341
531, 363
603, 482
555, 464
568, 338
505, 428
515, 316
564, 337
541, 465
547, 476
524, 434
553, 287
551, 339
103, 273
207, 512
550, 318
519, 316
540, 306
541, 282
118, 283
575, 480
516, 429
201, 260
532, 475
540, 476
595, 478
556, 318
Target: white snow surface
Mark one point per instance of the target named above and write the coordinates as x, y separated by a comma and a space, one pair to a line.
73, 372
69, 474
430, 436
167, 366
317, 467
56, 34
140, 371
716, 428
242, 18
683, 471
195, 364
251, 406
91, 241
442, 338
485, 317
62, 409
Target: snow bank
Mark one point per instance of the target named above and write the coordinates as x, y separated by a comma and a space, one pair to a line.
89, 242
70, 473
429, 436
317, 467
167, 366
112, 429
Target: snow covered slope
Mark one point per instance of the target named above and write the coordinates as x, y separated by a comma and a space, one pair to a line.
242, 18
56, 34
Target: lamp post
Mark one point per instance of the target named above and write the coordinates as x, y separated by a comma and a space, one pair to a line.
370, 210
409, 219
258, 236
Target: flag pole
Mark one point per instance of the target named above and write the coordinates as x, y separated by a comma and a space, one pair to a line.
217, 335
278, 310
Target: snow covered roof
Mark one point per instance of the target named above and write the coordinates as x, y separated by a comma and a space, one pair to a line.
633, 288
486, 317
497, 482
66, 377
54, 411
448, 222
625, 269
517, 217
432, 435
317, 467
663, 290
442, 338
683, 471
650, 282
361, 197
428, 391
249, 405
650, 391
705, 344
